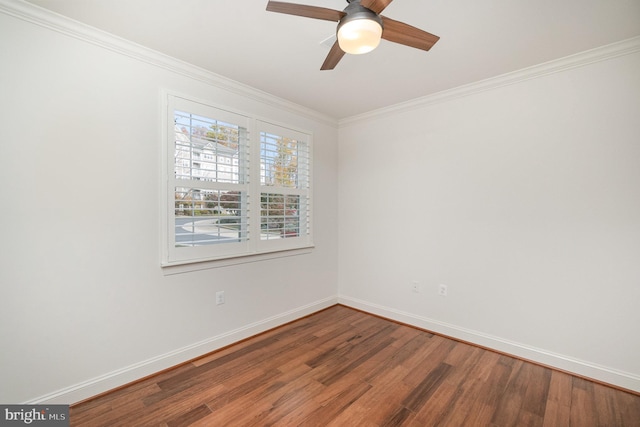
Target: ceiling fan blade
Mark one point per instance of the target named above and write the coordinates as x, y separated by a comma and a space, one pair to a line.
306, 11
376, 5
334, 56
399, 32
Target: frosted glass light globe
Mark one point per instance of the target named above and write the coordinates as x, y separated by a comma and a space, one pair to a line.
359, 36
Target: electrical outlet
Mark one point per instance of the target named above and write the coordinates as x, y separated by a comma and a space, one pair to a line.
442, 290
219, 297
415, 286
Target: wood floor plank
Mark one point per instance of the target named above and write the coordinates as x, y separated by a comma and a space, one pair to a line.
510, 405
293, 406
480, 414
468, 399
560, 388
428, 358
627, 407
113, 416
190, 417
475, 363
239, 389
384, 398
556, 414
359, 354
535, 396
398, 418
479, 380
342, 367
399, 355
423, 391
440, 406
331, 408
604, 403
582, 403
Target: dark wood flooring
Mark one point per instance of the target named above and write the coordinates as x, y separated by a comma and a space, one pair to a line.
342, 367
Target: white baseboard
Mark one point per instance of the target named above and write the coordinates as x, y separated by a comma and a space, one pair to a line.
111, 380
582, 368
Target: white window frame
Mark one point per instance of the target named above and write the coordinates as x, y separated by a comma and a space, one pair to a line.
254, 247
304, 192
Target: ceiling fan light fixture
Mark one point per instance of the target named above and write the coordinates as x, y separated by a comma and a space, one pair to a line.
360, 30
359, 36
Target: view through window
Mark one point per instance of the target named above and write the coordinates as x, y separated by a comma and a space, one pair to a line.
230, 194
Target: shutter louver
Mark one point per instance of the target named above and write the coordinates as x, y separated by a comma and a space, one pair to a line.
284, 180
210, 182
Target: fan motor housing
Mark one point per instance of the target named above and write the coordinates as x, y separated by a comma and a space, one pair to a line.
356, 11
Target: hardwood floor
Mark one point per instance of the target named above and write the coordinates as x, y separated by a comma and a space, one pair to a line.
342, 367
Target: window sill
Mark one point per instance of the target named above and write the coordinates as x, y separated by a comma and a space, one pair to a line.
169, 269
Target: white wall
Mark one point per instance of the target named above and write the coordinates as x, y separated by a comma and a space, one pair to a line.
85, 303
523, 198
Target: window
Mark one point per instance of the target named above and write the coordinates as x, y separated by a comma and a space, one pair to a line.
232, 192
284, 183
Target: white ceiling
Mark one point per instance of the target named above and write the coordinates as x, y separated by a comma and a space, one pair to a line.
282, 54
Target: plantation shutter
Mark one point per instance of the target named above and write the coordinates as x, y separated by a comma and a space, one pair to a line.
234, 185
285, 185
210, 181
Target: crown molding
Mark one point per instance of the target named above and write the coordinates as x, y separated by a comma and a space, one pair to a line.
61, 24
603, 53
69, 27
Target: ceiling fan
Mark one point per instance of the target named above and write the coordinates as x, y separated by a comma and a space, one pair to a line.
360, 27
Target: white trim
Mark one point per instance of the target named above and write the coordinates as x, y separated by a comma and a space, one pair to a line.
61, 24
196, 265
603, 53
78, 30
198, 257
119, 377
586, 369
